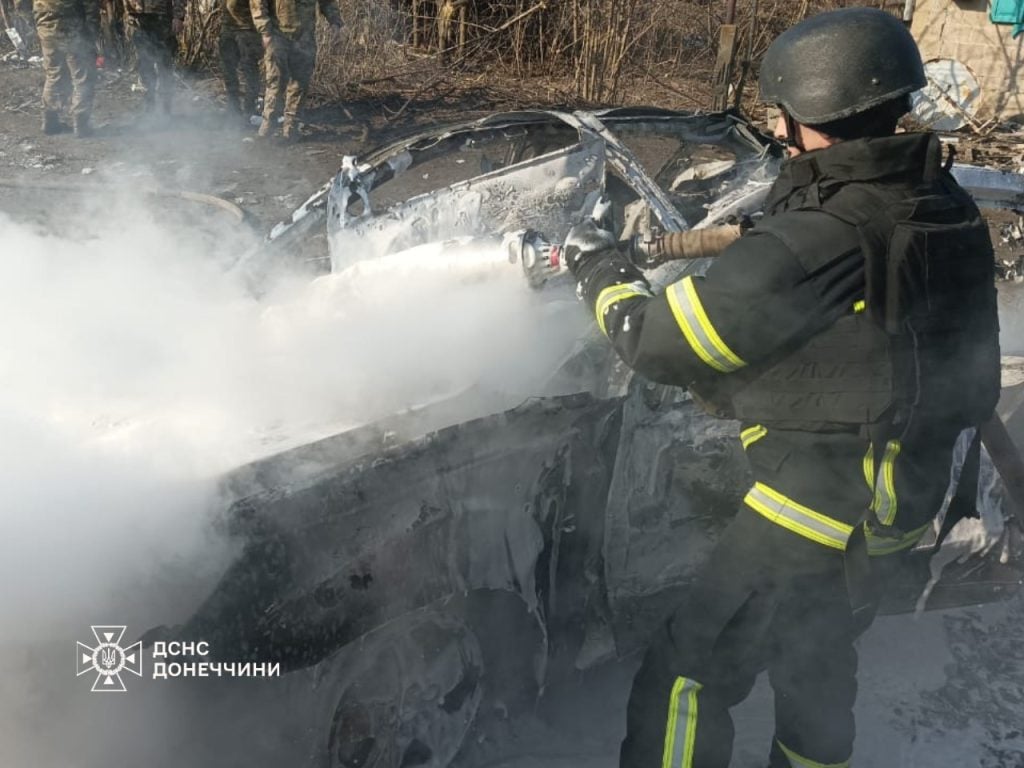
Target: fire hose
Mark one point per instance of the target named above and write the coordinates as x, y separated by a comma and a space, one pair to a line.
542, 260
239, 215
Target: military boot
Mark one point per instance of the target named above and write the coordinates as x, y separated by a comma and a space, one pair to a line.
83, 127
52, 124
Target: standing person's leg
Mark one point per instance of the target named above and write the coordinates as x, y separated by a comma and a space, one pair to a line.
706, 658
145, 57
814, 674
53, 68
230, 56
81, 60
166, 51
301, 63
250, 49
275, 64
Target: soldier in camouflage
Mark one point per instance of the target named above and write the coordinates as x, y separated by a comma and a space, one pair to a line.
287, 29
153, 27
68, 30
240, 49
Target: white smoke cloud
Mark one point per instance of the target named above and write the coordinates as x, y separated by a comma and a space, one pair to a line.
135, 369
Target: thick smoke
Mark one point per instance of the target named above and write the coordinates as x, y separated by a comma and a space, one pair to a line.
136, 367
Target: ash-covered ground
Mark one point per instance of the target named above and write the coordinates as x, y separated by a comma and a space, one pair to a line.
133, 372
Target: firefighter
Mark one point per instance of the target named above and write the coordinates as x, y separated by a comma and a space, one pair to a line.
853, 332
287, 28
240, 49
153, 28
68, 32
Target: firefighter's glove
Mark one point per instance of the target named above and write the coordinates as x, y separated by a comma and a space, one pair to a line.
593, 256
585, 243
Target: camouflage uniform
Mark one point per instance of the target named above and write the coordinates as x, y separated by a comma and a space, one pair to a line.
68, 30
151, 30
289, 26
240, 50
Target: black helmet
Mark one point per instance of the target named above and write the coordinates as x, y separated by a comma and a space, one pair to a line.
839, 64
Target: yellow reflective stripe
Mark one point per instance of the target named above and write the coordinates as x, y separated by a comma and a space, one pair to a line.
869, 466
799, 761
751, 435
681, 728
696, 327
859, 306
879, 544
884, 504
797, 518
612, 295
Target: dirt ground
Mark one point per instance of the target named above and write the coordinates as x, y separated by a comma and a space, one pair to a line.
198, 149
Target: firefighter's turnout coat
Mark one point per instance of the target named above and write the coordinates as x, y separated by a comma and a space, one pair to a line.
854, 334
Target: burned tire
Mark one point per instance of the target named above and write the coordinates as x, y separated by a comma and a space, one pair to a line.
404, 695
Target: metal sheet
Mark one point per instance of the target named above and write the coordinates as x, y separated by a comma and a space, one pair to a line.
950, 100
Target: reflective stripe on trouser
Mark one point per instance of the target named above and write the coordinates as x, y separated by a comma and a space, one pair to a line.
611, 296
681, 728
798, 761
696, 327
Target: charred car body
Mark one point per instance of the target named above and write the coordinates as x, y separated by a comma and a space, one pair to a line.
421, 565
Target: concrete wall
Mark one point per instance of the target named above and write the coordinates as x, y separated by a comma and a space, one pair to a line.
960, 29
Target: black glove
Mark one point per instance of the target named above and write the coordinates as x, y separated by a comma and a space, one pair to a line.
595, 260
585, 242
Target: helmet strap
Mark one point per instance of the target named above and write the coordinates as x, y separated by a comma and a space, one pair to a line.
792, 132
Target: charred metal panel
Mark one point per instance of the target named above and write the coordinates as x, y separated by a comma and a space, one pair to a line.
679, 478
470, 507
544, 193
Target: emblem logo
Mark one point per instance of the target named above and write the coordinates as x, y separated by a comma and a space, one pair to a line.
108, 659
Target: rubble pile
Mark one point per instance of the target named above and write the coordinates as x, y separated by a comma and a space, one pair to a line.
1010, 258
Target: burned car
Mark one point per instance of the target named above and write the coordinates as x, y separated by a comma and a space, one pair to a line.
459, 552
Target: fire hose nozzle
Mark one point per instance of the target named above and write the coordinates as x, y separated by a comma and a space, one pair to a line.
541, 260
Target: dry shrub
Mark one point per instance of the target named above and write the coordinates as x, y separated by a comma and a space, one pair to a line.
585, 51
197, 45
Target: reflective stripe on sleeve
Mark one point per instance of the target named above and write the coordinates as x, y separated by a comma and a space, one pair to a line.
799, 761
798, 518
751, 435
696, 327
859, 306
884, 504
611, 296
681, 728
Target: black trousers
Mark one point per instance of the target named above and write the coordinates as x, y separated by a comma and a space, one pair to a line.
766, 599
754, 608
